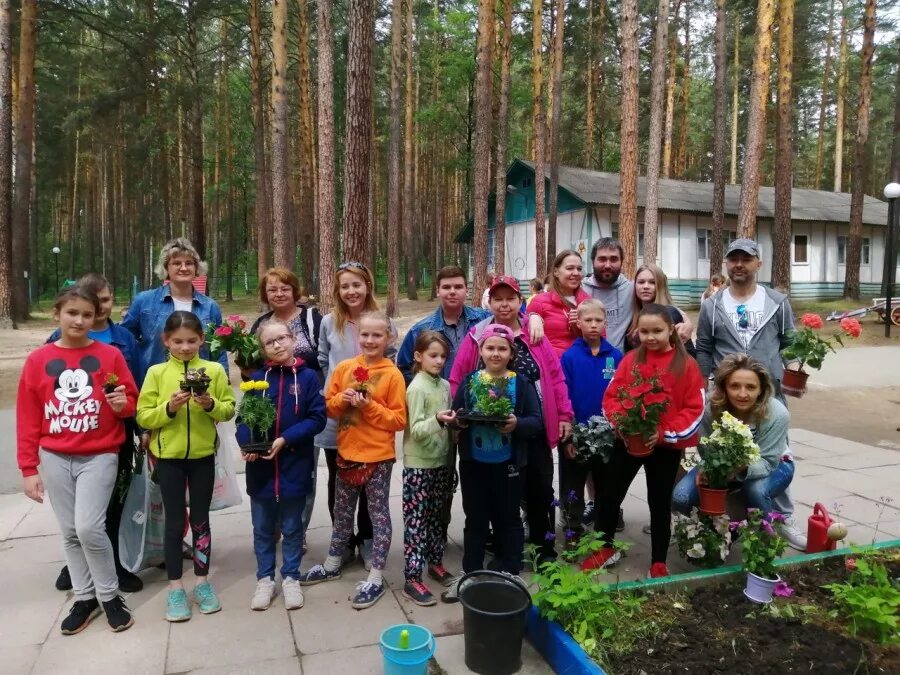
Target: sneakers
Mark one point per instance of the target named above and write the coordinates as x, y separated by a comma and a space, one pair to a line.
293, 596
605, 557
620, 523
317, 574
793, 534
64, 581
418, 593
440, 574
117, 614
263, 595
658, 570
80, 616
206, 599
178, 608
451, 595
365, 553
588, 516
367, 594
646, 529
128, 582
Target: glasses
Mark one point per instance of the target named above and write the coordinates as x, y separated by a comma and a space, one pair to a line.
743, 318
352, 264
281, 290
280, 340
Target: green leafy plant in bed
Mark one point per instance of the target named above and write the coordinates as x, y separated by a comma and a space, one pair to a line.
869, 599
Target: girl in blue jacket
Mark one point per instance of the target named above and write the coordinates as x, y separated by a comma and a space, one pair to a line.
279, 481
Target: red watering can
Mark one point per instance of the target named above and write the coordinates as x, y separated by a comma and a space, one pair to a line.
817, 533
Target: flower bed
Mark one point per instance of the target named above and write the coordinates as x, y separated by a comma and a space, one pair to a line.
701, 622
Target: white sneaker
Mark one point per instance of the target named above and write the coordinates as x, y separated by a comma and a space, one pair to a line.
365, 552
293, 596
793, 534
262, 596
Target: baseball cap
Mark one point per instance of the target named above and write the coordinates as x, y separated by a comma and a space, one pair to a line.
505, 280
747, 246
496, 330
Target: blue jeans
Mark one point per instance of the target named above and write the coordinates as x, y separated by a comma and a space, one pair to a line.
265, 515
759, 493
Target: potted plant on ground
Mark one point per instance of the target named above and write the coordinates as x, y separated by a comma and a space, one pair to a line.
703, 541
257, 412
492, 403
760, 544
644, 400
594, 438
808, 348
728, 449
233, 336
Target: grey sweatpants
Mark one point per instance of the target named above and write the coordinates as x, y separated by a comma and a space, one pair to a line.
79, 487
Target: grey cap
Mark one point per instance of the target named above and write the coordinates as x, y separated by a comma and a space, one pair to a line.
747, 246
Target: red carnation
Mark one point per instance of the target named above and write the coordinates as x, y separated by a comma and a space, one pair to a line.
655, 397
851, 327
638, 390
811, 321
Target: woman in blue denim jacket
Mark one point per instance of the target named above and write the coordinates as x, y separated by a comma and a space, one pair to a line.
179, 264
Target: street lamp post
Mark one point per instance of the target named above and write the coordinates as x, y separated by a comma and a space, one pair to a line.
892, 193
55, 251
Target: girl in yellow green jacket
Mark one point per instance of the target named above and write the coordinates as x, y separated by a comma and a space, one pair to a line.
180, 403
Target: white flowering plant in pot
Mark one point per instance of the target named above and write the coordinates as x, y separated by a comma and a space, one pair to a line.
702, 540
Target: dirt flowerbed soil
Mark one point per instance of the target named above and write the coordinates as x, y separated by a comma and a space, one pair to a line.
716, 629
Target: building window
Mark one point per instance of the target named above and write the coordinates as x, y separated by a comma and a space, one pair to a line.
640, 241
843, 243
728, 236
614, 231
526, 182
703, 244
801, 252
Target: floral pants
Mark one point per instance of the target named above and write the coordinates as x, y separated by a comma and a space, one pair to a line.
378, 488
426, 493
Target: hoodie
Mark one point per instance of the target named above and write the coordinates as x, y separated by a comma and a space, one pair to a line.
300, 415
587, 376
555, 313
617, 300
426, 443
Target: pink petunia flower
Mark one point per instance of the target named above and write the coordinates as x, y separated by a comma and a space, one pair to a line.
234, 318
782, 590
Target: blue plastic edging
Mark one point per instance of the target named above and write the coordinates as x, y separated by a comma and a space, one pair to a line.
558, 648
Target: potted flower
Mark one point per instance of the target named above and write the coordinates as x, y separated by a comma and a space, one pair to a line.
644, 400
233, 336
361, 380
195, 381
110, 383
809, 348
761, 544
492, 400
729, 448
257, 413
594, 438
703, 541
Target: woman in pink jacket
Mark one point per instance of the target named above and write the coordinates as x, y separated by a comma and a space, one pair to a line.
540, 364
557, 305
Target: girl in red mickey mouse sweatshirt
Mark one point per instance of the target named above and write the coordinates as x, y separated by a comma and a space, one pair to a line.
73, 397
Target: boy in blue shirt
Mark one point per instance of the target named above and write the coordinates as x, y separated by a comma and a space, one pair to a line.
588, 366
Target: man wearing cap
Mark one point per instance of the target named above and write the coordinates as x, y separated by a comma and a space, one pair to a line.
748, 318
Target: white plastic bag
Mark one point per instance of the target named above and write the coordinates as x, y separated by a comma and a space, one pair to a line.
226, 492
142, 529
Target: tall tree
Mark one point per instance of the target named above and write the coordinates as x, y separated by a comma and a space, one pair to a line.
860, 154
720, 105
843, 55
284, 256
539, 132
263, 205
483, 82
409, 228
895, 178
823, 101
6, 165
394, 179
505, 47
21, 211
756, 120
306, 207
654, 150
784, 149
629, 136
358, 131
195, 126
669, 123
590, 114
555, 114
325, 78
681, 157
734, 103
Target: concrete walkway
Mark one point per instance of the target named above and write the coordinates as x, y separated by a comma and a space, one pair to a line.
327, 635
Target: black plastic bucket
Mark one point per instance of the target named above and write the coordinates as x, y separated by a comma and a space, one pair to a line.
495, 608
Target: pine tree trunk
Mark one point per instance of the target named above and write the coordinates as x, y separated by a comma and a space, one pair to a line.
280, 144
654, 149
734, 104
756, 120
841, 99
409, 228
324, 30
539, 134
784, 150
555, 114
590, 109
263, 203
394, 184
718, 214
358, 130
823, 102
629, 136
505, 46
483, 96
895, 178
669, 122
306, 205
6, 100
195, 132
681, 157
860, 154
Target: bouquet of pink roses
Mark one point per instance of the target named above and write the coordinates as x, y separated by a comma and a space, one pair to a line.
233, 336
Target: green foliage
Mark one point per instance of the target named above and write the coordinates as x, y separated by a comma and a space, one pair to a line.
643, 399
233, 336
702, 540
807, 347
594, 438
257, 412
492, 394
870, 599
760, 542
726, 450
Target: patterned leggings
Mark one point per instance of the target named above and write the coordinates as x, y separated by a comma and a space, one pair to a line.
426, 493
378, 488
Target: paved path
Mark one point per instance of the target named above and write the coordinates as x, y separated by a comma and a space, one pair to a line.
859, 367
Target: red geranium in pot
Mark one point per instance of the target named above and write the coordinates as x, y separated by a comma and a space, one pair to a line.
809, 348
644, 400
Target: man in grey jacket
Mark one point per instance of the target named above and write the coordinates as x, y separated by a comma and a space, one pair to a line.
752, 319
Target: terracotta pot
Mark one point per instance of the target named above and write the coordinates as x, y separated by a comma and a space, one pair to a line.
760, 589
634, 443
793, 383
712, 501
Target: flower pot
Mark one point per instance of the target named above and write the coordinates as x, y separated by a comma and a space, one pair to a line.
634, 444
712, 501
759, 589
793, 383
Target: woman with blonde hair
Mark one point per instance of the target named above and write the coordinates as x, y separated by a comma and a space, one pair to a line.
651, 286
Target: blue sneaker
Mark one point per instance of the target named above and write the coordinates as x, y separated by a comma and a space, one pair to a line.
206, 598
367, 594
317, 574
178, 608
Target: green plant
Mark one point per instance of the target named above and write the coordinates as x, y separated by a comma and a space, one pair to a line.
233, 336
256, 412
594, 438
808, 347
760, 542
726, 450
492, 394
870, 599
643, 399
702, 540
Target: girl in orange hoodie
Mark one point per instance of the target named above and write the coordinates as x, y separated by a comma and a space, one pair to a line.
367, 397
